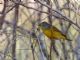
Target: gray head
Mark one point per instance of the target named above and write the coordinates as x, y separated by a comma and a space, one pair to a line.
44, 25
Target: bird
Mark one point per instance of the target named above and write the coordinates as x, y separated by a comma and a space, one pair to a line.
52, 32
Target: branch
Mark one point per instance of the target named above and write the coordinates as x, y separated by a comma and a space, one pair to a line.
62, 15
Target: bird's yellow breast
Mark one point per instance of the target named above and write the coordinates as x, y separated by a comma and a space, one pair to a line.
48, 33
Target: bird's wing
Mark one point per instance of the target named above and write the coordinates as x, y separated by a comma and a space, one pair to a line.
58, 33
57, 30
63, 35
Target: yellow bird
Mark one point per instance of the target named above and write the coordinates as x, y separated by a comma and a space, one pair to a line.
52, 32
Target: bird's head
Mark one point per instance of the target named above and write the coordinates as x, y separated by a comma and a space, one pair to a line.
44, 25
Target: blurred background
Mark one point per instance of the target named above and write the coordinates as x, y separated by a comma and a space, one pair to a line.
20, 39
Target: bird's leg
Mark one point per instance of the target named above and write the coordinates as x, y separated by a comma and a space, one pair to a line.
54, 47
64, 50
50, 51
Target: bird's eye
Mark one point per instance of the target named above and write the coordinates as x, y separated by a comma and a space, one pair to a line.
38, 29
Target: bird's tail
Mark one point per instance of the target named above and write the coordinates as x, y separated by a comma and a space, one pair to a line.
68, 39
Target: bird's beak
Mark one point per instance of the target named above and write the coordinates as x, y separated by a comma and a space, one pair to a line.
38, 27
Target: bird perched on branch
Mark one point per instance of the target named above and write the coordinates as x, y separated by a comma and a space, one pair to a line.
52, 32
